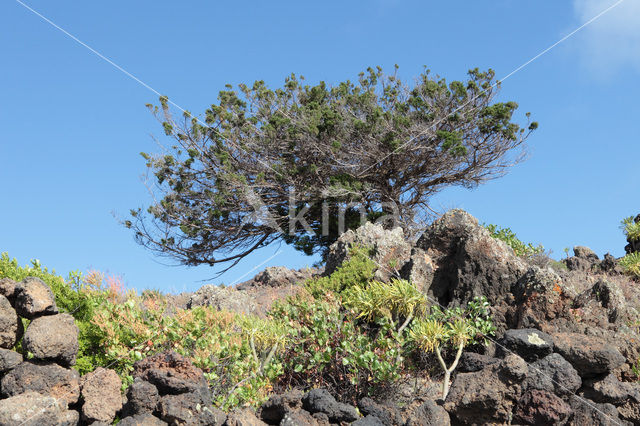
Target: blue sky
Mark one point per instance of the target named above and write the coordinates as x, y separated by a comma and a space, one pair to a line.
73, 125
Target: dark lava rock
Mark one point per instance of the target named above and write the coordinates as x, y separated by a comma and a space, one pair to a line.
529, 343
578, 264
142, 419
172, 374
53, 338
321, 401
32, 409
101, 396
429, 414
488, 395
34, 298
388, 415
471, 262
302, 418
553, 374
8, 288
9, 359
277, 406
590, 356
609, 390
10, 325
46, 379
368, 421
585, 253
189, 409
587, 412
538, 407
243, 417
471, 361
142, 397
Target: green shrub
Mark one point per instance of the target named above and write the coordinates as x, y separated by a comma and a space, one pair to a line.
508, 236
631, 229
631, 264
328, 347
71, 296
358, 269
452, 329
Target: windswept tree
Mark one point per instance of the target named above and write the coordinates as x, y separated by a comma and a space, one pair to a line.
302, 163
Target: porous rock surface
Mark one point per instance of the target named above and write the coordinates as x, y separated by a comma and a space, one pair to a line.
53, 338
34, 298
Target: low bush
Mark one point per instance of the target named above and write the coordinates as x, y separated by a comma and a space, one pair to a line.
328, 347
630, 264
508, 236
77, 296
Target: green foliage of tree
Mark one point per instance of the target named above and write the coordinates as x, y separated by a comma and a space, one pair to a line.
225, 183
508, 236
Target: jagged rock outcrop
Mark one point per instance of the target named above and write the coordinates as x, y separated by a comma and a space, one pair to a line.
470, 262
388, 249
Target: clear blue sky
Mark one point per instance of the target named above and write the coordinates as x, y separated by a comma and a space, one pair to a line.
73, 125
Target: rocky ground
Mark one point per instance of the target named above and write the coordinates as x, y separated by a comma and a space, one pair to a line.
564, 352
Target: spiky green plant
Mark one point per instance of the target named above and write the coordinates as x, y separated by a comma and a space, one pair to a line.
397, 300
631, 264
453, 328
631, 229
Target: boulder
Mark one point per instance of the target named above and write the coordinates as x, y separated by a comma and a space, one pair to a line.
590, 356
302, 418
10, 325
277, 406
142, 397
471, 361
470, 261
387, 414
585, 253
368, 421
7, 288
100, 391
189, 409
34, 298
278, 276
53, 338
578, 264
488, 395
553, 374
539, 407
9, 359
46, 379
587, 412
610, 265
429, 414
222, 298
243, 417
610, 390
172, 374
32, 409
529, 343
142, 419
540, 296
321, 401
389, 249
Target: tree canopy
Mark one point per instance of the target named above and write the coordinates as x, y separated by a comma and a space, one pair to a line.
302, 163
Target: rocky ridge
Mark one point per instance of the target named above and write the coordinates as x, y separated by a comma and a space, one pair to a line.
565, 347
